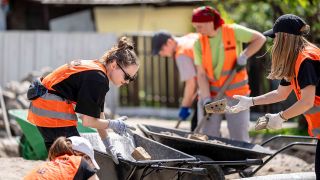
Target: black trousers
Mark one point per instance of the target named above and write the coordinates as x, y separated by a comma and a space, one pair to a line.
51, 134
317, 161
194, 120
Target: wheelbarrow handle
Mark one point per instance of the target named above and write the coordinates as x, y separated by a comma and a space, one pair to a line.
251, 162
287, 137
233, 163
194, 170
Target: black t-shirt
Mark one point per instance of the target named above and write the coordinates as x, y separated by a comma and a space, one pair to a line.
309, 74
88, 89
85, 171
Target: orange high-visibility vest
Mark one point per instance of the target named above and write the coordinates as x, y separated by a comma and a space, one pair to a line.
239, 84
62, 168
51, 110
313, 114
185, 47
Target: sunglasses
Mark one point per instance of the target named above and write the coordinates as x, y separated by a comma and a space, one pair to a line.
127, 77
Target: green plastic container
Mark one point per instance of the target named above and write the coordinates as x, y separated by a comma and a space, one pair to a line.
31, 143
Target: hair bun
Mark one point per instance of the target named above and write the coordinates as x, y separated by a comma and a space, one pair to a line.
125, 43
305, 30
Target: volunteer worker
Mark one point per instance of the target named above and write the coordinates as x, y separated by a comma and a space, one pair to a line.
69, 158
80, 87
296, 62
181, 48
217, 52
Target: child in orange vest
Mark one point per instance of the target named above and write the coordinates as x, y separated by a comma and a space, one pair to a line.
69, 158
296, 62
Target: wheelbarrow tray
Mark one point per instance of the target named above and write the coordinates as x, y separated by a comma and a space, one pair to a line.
234, 150
130, 169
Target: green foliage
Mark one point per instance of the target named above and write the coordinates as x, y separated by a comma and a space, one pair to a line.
261, 14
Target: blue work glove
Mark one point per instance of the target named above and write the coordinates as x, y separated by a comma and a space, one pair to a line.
119, 126
184, 113
111, 150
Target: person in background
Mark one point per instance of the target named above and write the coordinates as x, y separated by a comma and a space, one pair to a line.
181, 49
80, 87
217, 52
296, 62
69, 158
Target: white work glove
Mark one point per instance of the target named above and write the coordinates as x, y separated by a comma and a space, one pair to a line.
275, 121
111, 150
119, 126
243, 104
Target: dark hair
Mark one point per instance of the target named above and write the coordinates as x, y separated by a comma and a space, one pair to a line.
123, 53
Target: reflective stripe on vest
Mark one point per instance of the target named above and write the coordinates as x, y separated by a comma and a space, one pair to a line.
239, 84
231, 86
52, 114
312, 115
314, 109
316, 132
51, 110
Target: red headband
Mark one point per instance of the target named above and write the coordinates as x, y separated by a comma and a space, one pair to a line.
207, 14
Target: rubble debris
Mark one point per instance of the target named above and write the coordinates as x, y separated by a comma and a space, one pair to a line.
140, 153
261, 123
170, 134
200, 137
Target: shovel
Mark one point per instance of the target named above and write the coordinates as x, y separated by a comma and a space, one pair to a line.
221, 104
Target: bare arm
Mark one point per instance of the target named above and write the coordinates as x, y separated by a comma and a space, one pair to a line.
100, 124
189, 92
102, 132
304, 104
203, 82
277, 95
255, 44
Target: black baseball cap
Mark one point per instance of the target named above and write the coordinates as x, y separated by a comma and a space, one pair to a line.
288, 23
158, 40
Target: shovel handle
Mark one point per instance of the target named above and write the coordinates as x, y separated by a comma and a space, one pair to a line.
178, 124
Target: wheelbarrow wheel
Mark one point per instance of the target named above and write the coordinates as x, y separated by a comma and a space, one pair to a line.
214, 171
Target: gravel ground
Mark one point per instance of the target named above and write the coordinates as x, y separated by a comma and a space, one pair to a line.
14, 168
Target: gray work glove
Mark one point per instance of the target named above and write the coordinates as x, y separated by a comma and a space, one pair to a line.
111, 150
119, 126
206, 101
241, 62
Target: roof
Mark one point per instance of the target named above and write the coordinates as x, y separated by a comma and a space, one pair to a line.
114, 2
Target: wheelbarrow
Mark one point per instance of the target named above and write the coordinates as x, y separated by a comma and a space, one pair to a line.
227, 150
166, 163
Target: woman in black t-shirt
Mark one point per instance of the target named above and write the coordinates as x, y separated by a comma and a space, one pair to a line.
296, 62
80, 87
